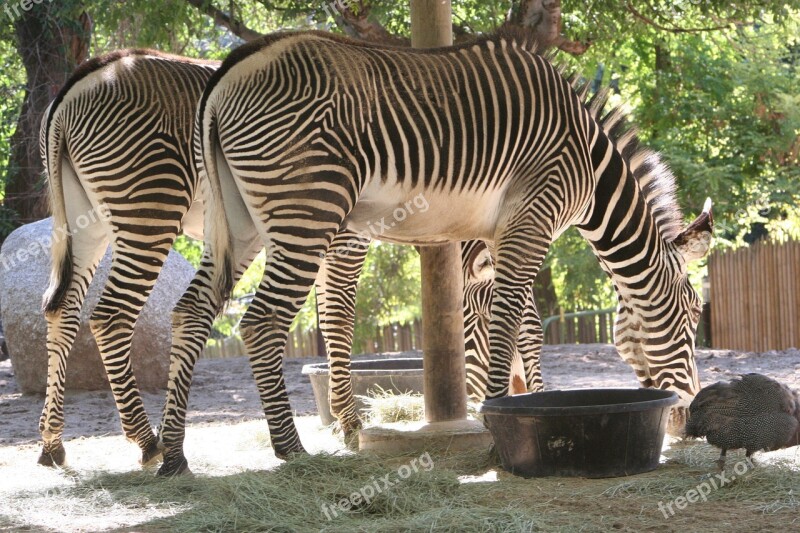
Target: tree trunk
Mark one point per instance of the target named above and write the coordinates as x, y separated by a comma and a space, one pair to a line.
51, 44
544, 294
442, 283
662, 66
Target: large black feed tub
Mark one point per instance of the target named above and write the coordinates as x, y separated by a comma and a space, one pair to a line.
590, 433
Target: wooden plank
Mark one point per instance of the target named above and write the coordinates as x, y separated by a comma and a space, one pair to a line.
714, 296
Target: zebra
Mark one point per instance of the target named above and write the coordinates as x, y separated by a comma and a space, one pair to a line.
302, 134
118, 137
526, 375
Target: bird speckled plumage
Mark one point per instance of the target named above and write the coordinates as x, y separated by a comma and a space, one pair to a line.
754, 412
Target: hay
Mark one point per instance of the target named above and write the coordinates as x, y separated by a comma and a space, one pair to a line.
460, 492
386, 407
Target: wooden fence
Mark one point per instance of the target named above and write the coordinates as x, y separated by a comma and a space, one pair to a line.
584, 327
755, 297
393, 338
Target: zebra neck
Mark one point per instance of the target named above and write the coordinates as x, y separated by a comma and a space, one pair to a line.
620, 226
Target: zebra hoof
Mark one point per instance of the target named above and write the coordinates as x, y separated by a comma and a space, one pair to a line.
172, 467
56, 456
152, 454
350, 432
351, 439
288, 453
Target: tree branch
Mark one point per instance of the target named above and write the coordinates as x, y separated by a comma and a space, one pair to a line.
632, 10
223, 19
357, 24
543, 18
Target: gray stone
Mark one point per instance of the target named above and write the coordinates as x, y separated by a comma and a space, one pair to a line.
24, 275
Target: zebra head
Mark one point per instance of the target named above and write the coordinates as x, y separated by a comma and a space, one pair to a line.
657, 337
478, 270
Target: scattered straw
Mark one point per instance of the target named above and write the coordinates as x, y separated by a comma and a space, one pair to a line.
386, 407
461, 492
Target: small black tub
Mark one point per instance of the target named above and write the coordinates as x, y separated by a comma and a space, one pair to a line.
589, 433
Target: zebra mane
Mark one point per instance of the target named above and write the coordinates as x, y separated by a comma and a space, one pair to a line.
654, 177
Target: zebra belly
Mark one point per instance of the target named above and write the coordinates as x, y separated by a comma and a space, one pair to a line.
417, 216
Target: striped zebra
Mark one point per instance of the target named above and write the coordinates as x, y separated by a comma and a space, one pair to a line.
302, 134
525, 376
118, 138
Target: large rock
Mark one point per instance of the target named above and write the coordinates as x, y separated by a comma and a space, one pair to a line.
24, 275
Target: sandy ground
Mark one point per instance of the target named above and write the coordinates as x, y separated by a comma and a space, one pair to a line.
224, 390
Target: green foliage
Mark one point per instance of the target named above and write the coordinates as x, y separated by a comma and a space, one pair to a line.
388, 290
190, 249
12, 85
725, 114
579, 281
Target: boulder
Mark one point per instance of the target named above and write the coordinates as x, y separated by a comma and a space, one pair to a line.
24, 275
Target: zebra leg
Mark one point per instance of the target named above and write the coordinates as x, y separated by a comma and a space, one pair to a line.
85, 246
476, 345
62, 329
112, 324
478, 282
192, 319
336, 296
529, 345
291, 270
519, 254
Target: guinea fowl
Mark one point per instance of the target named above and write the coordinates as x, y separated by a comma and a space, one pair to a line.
754, 412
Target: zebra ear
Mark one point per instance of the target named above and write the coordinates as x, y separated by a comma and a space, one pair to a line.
695, 241
478, 263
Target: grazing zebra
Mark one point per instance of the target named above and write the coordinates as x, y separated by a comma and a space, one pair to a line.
302, 134
478, 269
118, 138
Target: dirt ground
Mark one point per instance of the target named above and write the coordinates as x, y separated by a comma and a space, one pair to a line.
240, 485
224, 390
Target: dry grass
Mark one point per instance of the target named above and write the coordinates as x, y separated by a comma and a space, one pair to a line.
239, 486
388, 407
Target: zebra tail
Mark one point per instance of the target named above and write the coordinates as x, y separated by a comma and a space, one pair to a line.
218, 233
51, 143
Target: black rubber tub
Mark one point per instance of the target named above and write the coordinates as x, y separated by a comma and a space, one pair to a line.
400, 375
586, 433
